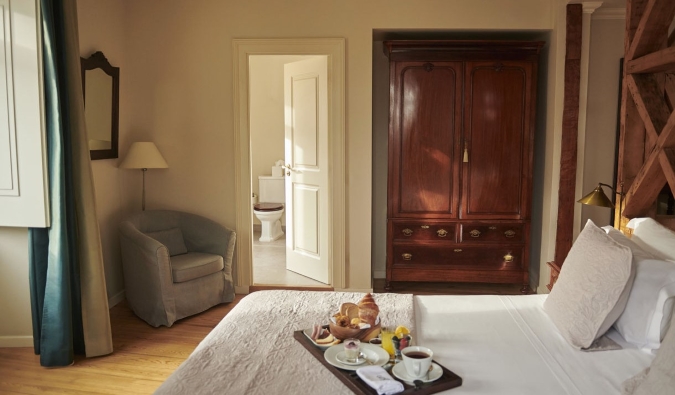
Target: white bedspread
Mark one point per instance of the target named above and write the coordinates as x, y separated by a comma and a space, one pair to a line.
497, 344
252, 350
508, 345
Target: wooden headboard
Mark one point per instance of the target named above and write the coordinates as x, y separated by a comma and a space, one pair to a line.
646, 157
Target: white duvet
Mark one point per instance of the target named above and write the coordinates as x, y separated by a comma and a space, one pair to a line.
497, 344
508, 345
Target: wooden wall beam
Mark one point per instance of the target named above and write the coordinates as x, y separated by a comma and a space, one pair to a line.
669, 87
651, 178
650, 34
667, 158
648, 98
663, 60
570, 128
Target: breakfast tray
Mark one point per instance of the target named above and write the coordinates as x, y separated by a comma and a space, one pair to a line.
447, 381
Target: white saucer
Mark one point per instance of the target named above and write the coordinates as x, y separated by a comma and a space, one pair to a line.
375, 355
342, 358
401, 373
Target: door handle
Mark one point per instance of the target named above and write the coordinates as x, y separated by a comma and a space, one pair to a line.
289, 168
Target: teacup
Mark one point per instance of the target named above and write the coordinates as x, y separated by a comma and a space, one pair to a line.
417, 360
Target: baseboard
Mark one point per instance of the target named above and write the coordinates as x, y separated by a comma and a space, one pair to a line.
380, 274
115, 299
365, 290
241, 290
16, 341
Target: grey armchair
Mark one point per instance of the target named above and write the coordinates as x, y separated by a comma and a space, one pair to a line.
175, 265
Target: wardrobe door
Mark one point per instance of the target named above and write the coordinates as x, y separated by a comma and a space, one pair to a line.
425, 118
498, 128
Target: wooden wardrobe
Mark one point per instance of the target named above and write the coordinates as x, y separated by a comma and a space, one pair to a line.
461, 129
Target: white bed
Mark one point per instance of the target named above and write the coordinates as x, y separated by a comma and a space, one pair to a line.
497, 344
531, 344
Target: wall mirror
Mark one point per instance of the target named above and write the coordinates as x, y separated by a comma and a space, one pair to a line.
101, 88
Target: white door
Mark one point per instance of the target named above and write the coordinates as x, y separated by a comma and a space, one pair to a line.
307, 179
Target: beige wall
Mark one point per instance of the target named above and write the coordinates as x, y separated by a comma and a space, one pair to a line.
16, 323
101, 28
182, 91
176, 89
603, 92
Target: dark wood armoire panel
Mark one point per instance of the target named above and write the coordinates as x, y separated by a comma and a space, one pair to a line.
497, 134
461, 131
424, 179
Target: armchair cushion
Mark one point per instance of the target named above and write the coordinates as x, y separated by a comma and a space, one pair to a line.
193, 265
172, 239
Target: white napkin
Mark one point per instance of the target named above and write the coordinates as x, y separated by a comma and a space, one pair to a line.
380, 380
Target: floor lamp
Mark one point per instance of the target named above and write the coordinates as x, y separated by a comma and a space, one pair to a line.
143, 155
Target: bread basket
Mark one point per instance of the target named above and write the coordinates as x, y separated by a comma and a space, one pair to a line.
364, 335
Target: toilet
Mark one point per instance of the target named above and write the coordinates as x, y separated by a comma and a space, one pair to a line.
270, 207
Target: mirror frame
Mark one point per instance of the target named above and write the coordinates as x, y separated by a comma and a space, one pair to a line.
98, 61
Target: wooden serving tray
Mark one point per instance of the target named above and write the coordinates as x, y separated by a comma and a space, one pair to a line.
447, 381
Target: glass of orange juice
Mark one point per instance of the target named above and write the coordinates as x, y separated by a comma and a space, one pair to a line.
386, 334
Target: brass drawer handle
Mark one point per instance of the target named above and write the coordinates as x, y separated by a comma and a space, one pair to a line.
492, 228
407, 232
510, 233
406, 256
458, 250
424, 226
474, 233
442, 232
508, 257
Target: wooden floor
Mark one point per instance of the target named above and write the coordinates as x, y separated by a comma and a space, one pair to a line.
145, 356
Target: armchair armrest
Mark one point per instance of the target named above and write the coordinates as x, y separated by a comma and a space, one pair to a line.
147, 270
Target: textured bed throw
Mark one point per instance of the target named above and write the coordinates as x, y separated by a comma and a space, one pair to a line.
252, 350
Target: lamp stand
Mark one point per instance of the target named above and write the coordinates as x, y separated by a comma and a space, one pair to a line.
143, 204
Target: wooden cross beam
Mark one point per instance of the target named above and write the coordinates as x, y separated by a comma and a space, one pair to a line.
648, 99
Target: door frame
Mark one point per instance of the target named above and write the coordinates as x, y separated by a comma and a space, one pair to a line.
334, 48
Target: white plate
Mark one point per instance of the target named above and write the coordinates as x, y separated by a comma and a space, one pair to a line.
342, 358
401, 373
375, 354
308, 333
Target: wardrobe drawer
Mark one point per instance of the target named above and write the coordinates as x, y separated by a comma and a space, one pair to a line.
423, 231
458, 257
492, 233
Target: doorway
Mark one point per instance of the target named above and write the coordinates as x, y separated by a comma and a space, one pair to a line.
333, 51
287, 123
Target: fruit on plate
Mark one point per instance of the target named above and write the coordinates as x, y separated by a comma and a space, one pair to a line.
401, 331
323, 337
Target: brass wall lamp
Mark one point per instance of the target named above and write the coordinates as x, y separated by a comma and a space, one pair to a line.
597, 197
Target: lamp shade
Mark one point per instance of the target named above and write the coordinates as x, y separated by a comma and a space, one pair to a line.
143, 155
597, 198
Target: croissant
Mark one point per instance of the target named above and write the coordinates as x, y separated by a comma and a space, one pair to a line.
368, 310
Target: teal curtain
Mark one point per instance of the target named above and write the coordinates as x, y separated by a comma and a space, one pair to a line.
54, 253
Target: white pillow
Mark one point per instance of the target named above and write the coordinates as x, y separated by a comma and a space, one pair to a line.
659, 378
653, 237
592, 288
646, 318
638, 252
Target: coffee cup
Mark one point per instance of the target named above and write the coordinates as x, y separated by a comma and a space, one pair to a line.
417, 360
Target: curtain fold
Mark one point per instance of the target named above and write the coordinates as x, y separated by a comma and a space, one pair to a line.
68, 295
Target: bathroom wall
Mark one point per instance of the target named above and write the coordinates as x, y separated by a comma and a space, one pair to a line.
267, 114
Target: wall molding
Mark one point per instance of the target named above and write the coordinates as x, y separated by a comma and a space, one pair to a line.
116, 299
16, 341
609, 13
